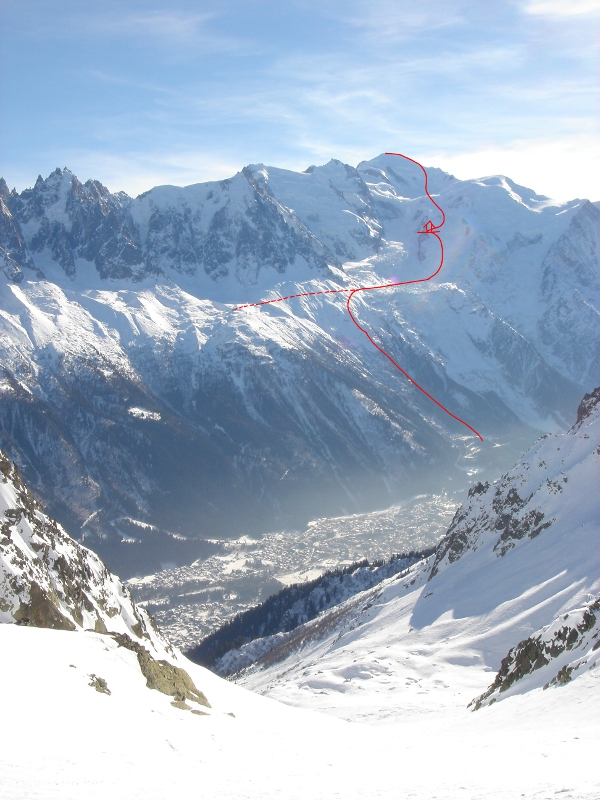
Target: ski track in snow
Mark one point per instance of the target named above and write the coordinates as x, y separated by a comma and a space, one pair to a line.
429, 229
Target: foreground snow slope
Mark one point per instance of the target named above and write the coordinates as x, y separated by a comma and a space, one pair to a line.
520, 555
62, 739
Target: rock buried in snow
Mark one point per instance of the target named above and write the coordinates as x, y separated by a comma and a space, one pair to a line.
99, 684
163, 676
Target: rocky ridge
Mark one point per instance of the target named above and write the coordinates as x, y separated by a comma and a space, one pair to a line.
552, 656
231, 225
517, 505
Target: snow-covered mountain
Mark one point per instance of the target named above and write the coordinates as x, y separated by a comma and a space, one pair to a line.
513, 588
148, 414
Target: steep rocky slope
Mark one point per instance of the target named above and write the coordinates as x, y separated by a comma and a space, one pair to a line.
551, 656
530, 497
133, 396
49, 581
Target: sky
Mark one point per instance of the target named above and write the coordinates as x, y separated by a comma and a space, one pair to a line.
138, 93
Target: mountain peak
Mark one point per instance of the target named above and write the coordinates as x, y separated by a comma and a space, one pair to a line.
405, 177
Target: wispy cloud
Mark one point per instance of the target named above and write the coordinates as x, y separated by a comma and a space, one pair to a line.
563, 8
175, 26
388, 21
176, 31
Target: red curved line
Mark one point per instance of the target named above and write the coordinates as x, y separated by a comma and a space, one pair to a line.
429, 229
406, 375
441, 210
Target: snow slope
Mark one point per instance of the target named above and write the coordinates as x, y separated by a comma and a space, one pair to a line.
519, 567
134, 744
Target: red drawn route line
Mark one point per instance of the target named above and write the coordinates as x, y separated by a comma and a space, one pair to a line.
429, 229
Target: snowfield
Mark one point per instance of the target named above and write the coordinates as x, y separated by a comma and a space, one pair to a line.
62, 739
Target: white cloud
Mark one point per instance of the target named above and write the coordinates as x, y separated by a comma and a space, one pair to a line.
178, 32
563, 8
388, 21
562, 169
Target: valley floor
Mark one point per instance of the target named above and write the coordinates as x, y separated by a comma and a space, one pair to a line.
191, 601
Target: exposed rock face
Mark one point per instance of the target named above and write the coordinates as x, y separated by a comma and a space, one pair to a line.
13, 250
587, 405
162, 675
568, 645
506, 512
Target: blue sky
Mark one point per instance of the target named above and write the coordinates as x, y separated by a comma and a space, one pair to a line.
138, 93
